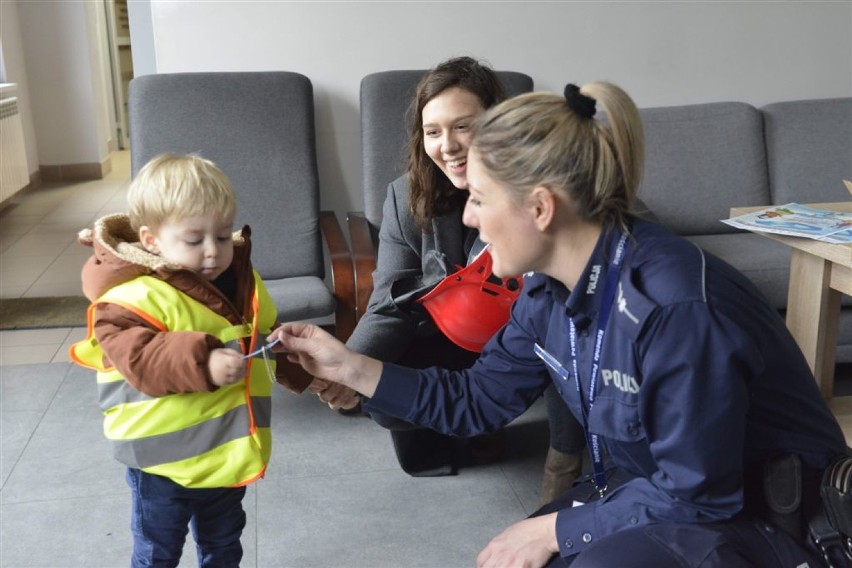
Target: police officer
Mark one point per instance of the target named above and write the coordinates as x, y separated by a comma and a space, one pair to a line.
681, 373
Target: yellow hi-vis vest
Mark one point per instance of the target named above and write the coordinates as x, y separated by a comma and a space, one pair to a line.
203, 439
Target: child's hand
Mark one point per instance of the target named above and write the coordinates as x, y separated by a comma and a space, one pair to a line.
226, 366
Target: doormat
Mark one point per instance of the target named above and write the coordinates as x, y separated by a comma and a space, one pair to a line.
33, 313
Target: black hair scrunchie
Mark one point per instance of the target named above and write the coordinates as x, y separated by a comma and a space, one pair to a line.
578, 102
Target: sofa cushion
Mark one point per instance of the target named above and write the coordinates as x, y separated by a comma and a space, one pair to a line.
809, 149
701, 160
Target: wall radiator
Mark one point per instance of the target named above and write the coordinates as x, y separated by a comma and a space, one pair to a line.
14, 172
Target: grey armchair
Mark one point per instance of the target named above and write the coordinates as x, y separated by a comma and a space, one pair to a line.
385, 100
258, 127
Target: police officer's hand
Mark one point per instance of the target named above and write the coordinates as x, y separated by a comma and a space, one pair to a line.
530, 543
324, 357
226, 366
336, 396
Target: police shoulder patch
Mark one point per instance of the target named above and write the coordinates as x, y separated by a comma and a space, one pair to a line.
631, 308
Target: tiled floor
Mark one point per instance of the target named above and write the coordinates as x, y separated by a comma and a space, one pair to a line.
40, 255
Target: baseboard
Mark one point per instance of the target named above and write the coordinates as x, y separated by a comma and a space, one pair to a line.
76, 172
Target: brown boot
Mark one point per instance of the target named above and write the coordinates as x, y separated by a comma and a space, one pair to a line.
560, 471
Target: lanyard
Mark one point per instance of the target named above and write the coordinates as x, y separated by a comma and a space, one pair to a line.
603, 318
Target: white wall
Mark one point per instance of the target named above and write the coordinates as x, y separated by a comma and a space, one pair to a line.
142, 34
101, 79
16, 72
99, 58
66, 84
663, 53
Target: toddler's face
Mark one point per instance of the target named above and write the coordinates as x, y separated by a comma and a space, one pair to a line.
203, 244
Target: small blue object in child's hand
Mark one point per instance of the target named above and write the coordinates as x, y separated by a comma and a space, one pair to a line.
266, 347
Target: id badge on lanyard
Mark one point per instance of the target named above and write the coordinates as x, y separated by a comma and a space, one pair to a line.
603, 318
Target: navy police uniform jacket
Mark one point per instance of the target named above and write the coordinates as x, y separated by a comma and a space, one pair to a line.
699, 382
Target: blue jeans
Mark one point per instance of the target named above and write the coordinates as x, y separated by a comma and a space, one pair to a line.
163, 511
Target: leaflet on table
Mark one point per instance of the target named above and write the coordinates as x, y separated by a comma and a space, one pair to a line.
798, 221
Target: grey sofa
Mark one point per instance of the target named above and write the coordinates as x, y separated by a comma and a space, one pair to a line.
703, 159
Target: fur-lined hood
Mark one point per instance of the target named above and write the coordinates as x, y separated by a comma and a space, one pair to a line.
119, 256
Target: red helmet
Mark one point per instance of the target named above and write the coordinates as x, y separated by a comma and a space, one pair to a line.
470, 305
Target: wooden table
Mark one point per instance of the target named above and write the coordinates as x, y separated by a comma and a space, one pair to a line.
819, 274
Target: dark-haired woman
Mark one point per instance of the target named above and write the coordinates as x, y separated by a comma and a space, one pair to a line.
421, 240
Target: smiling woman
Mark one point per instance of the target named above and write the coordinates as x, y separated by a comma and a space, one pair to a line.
422, 240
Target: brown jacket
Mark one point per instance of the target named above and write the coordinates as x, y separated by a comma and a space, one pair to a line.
154, 362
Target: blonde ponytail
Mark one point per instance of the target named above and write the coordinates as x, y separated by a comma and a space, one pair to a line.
539, 139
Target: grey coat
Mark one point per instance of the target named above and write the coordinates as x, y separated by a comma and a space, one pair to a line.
409, 262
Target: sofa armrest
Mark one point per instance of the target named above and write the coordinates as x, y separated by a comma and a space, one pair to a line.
342, 276
363, 259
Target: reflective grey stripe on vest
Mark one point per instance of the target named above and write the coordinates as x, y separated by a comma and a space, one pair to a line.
118, 392
190, 442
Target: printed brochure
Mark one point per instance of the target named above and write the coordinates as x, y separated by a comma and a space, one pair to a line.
798, 221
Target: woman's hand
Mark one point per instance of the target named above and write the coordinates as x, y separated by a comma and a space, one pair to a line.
226, 366
334, 395
527, 544
324, 357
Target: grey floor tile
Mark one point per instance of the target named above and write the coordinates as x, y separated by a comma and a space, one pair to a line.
22, 271
311, 439
16, 428
91, 532
69, 532
28, 354
31, 387
383, 518
26, 392
67, 453
24, 337
16, 224
527, 440
38, 245
29, 347
335, 485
